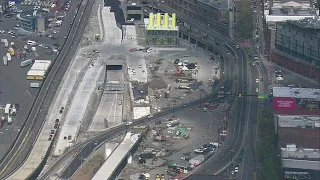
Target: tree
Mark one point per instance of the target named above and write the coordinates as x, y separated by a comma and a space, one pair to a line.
268, 154
245, 24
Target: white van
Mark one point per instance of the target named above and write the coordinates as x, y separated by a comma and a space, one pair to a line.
32, 43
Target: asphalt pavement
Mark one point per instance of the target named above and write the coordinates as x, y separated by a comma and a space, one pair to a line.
28, 134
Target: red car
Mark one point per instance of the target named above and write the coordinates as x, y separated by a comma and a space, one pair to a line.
132, 49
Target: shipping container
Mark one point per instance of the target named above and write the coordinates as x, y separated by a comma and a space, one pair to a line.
26, 63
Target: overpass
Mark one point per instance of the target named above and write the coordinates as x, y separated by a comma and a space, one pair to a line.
123, 152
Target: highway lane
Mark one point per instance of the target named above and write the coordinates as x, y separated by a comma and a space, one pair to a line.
29, 133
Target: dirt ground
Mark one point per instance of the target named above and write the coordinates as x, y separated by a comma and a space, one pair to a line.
89, 169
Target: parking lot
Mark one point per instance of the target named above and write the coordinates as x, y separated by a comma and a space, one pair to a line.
14, 88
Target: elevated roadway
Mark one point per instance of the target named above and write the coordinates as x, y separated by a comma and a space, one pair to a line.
118, 155
21, 149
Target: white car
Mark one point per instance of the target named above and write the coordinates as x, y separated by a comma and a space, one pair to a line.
140, 66
128, 123
236, 169
257, 80
149, 50
199, 150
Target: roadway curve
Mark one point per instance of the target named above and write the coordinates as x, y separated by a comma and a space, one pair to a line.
30, 131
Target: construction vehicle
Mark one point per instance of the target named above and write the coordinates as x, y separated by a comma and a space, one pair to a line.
160, 138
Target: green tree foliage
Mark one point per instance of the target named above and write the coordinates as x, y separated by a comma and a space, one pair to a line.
268, 154
245, 21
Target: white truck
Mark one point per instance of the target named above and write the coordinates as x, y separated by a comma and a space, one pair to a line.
9, 57
5, 42
9, 119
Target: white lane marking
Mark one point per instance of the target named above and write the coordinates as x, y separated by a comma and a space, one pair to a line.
29, 93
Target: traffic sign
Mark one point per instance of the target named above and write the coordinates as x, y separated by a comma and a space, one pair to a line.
263, 96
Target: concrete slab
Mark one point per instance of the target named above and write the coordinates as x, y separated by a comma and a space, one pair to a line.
110, 106
77, 109
139, 112
116, 157
112, 33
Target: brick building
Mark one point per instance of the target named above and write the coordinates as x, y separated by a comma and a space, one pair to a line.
297, 47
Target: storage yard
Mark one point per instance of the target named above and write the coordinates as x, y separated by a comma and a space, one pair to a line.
176, 145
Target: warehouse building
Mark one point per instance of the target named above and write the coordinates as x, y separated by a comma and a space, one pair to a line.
33, 21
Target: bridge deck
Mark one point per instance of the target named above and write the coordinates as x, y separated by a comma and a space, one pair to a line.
111, 164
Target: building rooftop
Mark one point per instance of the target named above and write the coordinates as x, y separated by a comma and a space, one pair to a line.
307, 23
307, 93
32, 14
292, 152
299, 121
301, 137
284, 10
300, 164
298, 112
